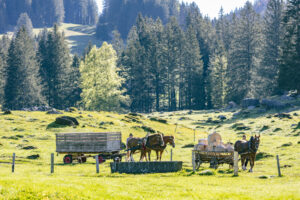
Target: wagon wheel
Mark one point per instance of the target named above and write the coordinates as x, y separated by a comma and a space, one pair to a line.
68, 159
214, 163
198, 163
101, 159
83, 159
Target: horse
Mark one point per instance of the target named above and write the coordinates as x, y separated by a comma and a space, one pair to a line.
247, 150
160, 149
140, 144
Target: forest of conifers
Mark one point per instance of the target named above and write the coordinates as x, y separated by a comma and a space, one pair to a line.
164, 56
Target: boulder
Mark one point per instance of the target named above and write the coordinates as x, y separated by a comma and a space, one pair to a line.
250, 102
66, 121
7, 112
53, 112
231, 105
222, 117
273, 104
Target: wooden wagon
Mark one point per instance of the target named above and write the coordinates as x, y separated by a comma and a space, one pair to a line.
214, 158
80, 146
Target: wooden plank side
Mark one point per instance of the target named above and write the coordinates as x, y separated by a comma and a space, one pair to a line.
88, 142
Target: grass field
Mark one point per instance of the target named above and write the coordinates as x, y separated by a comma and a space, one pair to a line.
78, 36
32, 178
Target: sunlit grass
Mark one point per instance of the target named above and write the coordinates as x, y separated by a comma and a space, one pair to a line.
32, 178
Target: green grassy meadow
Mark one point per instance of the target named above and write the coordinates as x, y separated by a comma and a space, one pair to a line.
32, 178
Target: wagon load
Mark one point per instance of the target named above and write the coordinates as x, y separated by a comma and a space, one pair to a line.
213, 143
213, 151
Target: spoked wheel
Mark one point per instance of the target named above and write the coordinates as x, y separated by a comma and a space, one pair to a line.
101, 159
68, 159
198, 164
117, 159
214, 163
83, 159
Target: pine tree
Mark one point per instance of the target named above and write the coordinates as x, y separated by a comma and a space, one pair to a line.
269, 68
22, 87
289, 73
217, 76
193, 70
4, 45
243, 58
117, 42
55, 69
74, 97
24, 21
100, 82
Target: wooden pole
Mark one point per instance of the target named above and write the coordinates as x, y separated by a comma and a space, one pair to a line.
52, 163
13, 163
193, 161
194, 135
97, 164
171, 155
236, 163
278, 166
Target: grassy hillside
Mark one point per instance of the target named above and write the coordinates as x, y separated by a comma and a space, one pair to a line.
32, 179
78, 36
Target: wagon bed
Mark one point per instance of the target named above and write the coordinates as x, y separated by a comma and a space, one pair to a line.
214, 158
80, 146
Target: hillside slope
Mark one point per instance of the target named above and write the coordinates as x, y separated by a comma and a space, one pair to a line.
78, 36
32, 179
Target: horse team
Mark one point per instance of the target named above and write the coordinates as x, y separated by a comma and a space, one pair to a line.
158, 143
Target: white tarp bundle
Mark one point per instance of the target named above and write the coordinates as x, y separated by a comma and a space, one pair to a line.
213, 143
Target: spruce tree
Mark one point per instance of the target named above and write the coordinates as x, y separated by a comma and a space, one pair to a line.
56, 68
22, 87
272, 30
289, 73
244, 56
25, 21
193, 70
217, 76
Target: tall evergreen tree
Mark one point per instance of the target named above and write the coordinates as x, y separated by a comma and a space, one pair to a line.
55, 68
100, 82
289, 74
25, 21
193, 70
22, 87
217, 76
244, 53
272, 30
4, 45
74, 97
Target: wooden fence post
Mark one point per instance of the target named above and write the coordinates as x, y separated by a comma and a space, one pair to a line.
193, 161
171, 155
278, 166
236, 163
97, 164
52, 163
13, 163
176, 128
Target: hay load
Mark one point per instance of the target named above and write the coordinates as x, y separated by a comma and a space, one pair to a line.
213, 143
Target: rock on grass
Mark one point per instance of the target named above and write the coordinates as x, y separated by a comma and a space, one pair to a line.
33, 157
206, 173
287, 144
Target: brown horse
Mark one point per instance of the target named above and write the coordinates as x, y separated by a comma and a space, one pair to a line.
247, 150
159, 150
140, 144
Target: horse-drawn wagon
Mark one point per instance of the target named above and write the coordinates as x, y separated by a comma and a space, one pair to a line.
212, 151
80, 146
